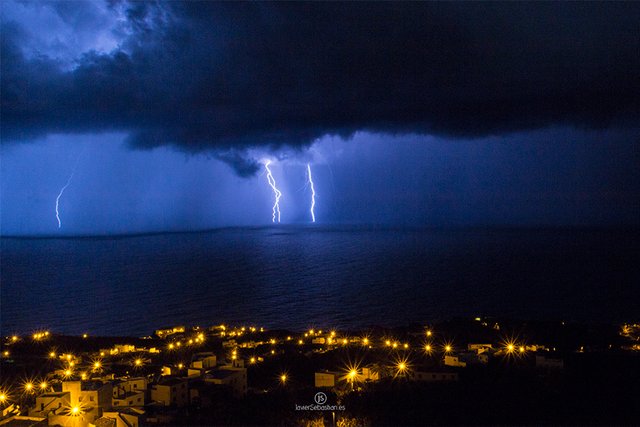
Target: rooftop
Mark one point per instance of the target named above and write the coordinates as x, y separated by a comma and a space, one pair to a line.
91, 385
54, 394
105, 422
171, 381
25, 422
128, 394
220, 374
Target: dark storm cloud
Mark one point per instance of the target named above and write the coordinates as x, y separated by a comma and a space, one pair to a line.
227, 76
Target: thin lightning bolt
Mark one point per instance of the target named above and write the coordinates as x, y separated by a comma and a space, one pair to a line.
313, 194
58, 199
278, 194
64, 188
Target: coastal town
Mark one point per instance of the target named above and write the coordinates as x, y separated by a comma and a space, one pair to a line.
465, 371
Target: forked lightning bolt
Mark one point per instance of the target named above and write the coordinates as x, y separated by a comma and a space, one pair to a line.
313, 194
278, 194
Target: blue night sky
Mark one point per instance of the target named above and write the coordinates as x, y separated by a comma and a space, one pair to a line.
429, 114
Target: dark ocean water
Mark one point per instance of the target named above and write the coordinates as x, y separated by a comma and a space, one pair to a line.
298, 277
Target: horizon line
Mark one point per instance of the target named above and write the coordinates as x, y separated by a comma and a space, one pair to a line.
369, 226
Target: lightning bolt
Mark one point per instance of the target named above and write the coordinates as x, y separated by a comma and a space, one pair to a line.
313, 194
278, 194
75, 166
58, 199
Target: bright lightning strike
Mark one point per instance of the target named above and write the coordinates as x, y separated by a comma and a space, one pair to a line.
313, 194
75, 166
278, 194
60, 195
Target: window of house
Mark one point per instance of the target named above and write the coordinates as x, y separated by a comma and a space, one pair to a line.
91, 398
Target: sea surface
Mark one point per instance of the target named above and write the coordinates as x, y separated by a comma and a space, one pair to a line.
298, 277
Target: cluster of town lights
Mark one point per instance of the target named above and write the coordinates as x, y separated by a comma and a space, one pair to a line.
37, 336
29, 386
511, 348
401, 366
198, 339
